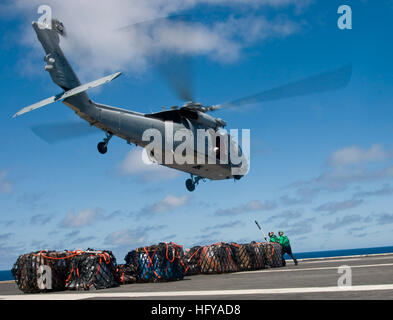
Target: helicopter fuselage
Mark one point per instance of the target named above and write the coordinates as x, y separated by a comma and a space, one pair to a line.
207, 162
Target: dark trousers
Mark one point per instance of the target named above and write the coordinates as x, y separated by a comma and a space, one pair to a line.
288, 250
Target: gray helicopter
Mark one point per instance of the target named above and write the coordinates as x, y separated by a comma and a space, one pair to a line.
213, 161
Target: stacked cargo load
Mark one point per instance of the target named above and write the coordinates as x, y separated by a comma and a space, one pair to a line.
217, 258
260, 255
43, 271
156, 263
248, 256
273, 254
92, 269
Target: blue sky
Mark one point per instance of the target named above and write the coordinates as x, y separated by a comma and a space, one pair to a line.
321, 165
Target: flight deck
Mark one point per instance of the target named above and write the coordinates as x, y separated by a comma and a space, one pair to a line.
371, 277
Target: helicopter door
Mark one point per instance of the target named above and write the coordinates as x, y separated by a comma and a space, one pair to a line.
221, 152
218, 146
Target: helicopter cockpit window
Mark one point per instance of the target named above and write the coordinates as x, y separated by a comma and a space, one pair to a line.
170, 115
186, 123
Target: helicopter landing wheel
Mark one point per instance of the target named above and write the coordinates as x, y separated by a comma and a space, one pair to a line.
102, 147
190, 185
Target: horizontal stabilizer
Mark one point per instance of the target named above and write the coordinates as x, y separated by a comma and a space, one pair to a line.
68, 94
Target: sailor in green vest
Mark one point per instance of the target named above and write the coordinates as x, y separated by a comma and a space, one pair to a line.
273, 237
286, 247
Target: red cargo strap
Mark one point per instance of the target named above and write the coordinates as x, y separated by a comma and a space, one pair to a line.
150, 262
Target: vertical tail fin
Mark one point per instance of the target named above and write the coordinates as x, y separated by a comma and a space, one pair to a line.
59, 68
57, 65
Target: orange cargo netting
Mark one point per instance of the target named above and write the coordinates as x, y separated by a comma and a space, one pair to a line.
249, 256
217, 258
273, 254
191, 261
77, 270
162, 262
232, 257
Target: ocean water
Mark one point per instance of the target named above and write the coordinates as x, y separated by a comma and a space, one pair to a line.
7, 275
340, 253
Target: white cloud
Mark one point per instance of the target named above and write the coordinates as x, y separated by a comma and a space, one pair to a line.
385, 190
131, 238
355, 155
343, 222
83, 218
300, 227
347, 166
168, 203
251, 206
384, 218
96, 45
356, 164
333, 207
127, 237
134, 165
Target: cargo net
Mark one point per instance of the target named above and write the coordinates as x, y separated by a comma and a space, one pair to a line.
41, 271
223, 257
273, 254
126, 273
249, 256
191, 261
162, 262
92, 270
217, 258
44, 271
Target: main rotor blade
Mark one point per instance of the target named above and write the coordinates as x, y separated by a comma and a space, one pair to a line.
58, 132
323, 82
176, 70
174, 67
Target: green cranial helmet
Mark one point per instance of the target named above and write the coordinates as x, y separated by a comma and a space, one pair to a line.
280, 233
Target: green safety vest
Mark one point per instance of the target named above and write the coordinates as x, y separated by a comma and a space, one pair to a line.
274, 239
284, 241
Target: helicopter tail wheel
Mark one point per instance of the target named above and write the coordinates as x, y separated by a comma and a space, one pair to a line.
190, 185
103, 145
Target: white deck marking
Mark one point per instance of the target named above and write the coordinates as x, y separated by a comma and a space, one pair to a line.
118, 295
373, 255
331, 260
311, 269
